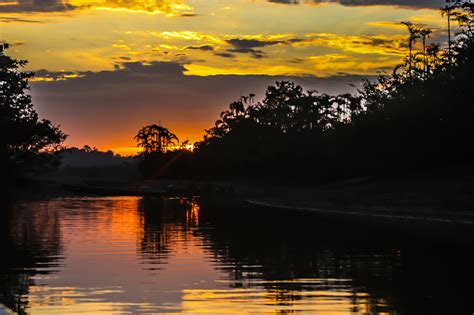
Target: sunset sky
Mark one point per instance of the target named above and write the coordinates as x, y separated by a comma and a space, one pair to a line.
105, 68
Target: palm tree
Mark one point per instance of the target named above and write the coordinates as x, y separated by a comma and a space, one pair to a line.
411, 40
432, 57
424, 34
448, 11
155, 139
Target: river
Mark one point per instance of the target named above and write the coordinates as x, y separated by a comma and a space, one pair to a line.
133, 255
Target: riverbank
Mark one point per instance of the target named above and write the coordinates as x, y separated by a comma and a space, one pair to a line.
437, 201
439, 191
430, 193
430, 190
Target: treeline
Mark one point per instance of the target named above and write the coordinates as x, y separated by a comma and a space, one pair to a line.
27, 143
419, 116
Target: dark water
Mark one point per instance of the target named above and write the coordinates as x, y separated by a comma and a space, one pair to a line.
127, 255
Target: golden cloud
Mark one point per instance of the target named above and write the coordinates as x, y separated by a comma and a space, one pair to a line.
394, 45
166, 7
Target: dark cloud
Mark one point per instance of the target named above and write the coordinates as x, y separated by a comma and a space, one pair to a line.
249, 43
401, 3
240, 43
10, 19
382, 42
28, 6
187, 15
203, 47
48, 75
224, 55
248, 46
297, 60
431, 4
99, 106
285, 1
12, 44
152, 69
256, 53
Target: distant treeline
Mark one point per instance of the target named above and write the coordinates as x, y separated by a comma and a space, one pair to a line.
419, 116
92, 157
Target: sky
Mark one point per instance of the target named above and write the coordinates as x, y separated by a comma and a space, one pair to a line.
106, 68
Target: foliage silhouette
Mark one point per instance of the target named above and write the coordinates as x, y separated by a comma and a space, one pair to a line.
155, 139
162, 155
25, 139
419, 116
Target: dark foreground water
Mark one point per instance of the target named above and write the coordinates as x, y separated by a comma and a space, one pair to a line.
127, 255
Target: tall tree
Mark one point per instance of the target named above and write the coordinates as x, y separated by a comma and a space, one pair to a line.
155, 139
424, 34
24, 137
413, 30
448, 11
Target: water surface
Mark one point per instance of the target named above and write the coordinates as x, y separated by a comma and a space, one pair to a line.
126, 255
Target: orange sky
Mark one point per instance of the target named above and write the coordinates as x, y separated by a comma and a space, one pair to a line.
105, 68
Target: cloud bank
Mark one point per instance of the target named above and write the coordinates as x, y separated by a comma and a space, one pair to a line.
104, 108
421, 4
31, 6
171, 8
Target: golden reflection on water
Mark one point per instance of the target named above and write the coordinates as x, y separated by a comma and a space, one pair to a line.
132, 255
192, 212
251, 301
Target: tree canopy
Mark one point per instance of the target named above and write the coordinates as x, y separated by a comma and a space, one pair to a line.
418, 116
24, 137
155, 139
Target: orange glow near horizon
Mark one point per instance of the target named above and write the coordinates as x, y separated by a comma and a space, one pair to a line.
125, 146
182, 62
131, 151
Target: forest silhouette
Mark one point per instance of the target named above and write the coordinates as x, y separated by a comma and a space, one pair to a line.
418, 116
26, 141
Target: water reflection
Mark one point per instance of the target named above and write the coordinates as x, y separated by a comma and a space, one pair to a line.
31, 245
128, 254
168, 224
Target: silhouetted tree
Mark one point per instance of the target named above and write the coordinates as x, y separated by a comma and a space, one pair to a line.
155, 139
418, 116
448, 11
162, 156
414, 35
424, 33
25, 139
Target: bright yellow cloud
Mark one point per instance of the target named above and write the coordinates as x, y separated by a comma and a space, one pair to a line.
167, 7
220, 43
189, 36
387, 24
380, 44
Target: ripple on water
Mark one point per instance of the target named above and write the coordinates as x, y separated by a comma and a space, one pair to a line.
132, 255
